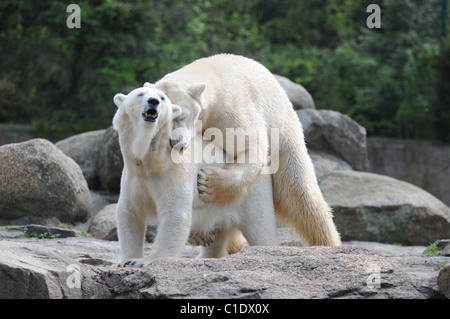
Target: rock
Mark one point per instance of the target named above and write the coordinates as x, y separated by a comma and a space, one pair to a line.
298, 95
282, 272
83, 149
422, 163
444, 247
39, 230
74, 268
444, 281
35, 231
422, 269
325, 163
34, 271
370, 207
39, 183
109, 163
336, 134
104, 226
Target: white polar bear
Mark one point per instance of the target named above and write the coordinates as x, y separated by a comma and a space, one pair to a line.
156, 188
237, 92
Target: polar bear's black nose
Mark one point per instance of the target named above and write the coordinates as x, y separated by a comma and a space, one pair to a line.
153, 101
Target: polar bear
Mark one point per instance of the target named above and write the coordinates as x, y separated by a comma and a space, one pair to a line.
160, 185
237, 92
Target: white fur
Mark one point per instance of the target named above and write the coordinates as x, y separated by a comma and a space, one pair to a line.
237, 92
156, 189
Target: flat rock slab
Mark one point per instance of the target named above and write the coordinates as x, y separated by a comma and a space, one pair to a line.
75, 268
282, 272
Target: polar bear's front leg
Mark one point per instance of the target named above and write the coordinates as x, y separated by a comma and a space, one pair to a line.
172, 234
131, 232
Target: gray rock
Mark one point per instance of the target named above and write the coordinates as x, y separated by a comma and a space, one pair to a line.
36, 231
422, 269
298, 95
83, 149
422, 163
39, 183
104, 225
39, 230
66, 268
444, 281
444, 247
35, 271
109, 163
372, 207
325, 163
282, 272
336, 134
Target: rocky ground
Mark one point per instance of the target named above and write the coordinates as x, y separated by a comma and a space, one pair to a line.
83, 267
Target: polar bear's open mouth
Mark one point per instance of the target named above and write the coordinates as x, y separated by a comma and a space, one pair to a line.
150, 116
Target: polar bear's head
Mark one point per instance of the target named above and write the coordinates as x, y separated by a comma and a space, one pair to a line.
141, 115
190, 97
144, 106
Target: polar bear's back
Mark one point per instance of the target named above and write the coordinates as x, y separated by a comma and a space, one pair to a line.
232, 81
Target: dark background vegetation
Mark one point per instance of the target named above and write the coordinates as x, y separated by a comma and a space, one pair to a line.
395, 81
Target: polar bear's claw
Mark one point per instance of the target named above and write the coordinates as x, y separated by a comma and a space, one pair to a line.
205, 189
204, 240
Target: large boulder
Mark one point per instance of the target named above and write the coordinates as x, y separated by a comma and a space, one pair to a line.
298, 95
325, 163
337, 134
370, 207
39, 183
83, 149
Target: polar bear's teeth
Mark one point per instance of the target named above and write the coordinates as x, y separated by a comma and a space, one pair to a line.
154, 116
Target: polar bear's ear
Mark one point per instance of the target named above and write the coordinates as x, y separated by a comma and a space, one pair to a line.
176, 111
148, 85
196, 90
118, 99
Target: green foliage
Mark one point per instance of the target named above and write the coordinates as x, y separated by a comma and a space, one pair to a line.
394, 80
440, 265
84, 234
432, 249
440, 109
30, 235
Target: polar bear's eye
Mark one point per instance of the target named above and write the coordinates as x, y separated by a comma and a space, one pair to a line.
141, 94
162, 98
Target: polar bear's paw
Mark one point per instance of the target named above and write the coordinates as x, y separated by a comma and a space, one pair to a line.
205, 184
202, 239
218, 185
138, 262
